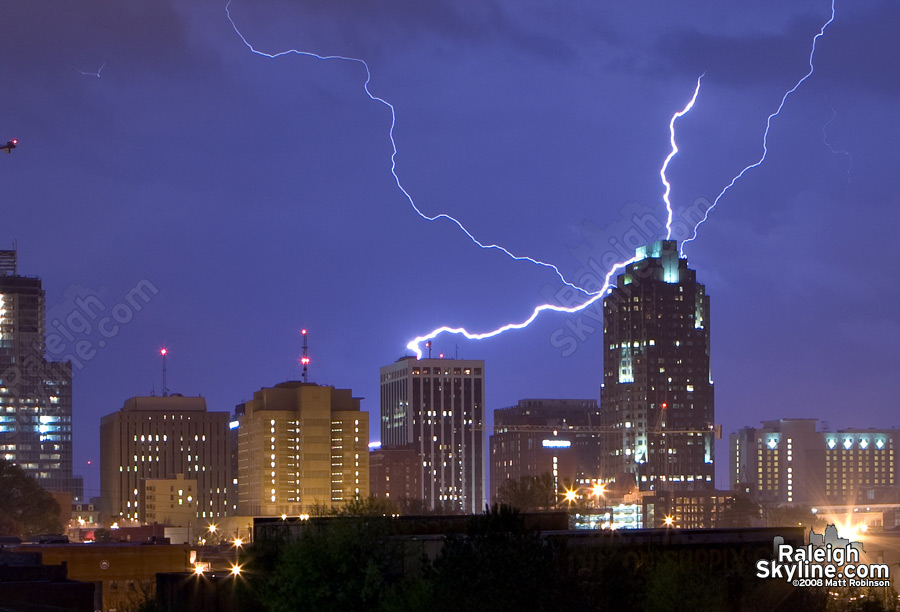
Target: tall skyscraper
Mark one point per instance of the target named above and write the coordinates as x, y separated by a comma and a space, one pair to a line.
436, 407
301, 447
165, 438
657, 396
35, 394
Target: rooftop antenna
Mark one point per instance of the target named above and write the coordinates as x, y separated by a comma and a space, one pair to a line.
428, 346
163, 352
305, 358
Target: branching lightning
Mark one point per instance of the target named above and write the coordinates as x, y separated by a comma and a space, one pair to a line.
662, 171
592, 297
765, 142
414, 344
400, 186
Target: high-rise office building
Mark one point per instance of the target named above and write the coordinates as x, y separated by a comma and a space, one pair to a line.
165, 438
657, 396
35, 394
302, 447
545, 436
436, 407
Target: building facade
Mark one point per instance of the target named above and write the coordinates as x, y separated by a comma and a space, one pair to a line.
302, 449
656, 402
436, 407
546, 436
164, 437
788, 461
35, 394
395, 473
168, 501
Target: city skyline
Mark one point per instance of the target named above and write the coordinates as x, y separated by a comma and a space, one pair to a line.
215, 202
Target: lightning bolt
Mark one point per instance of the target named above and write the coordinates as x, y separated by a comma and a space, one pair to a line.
95, 74
662, 171
400, 186
413, 344
825, 142
765, 143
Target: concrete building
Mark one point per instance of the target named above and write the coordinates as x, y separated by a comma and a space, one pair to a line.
35, 394
168, 501
436, 407
545, 436
789, 461
657, 397
123, 575
302, 448
164, 438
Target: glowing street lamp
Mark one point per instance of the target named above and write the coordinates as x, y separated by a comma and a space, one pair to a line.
569, 495
237, 542
669, 521
235, 570
599, 490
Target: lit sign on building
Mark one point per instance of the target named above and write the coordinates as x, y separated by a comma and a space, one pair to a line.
556, 444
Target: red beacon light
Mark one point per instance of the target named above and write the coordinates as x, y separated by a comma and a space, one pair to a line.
163, 352
304, 360
664, 405
303, 331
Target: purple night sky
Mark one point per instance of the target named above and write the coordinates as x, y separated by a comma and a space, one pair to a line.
255, 195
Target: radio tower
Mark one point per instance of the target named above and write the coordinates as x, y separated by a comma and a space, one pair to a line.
305, 358
163, 352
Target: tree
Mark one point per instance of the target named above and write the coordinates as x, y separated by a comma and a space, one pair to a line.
347, 564
25, 508
371, 506
528, 493
741, 511
792, 516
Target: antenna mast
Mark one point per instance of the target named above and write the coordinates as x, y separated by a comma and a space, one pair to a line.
163, 352
305, 358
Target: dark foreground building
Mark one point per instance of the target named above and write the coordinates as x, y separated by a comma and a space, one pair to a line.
495, 561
